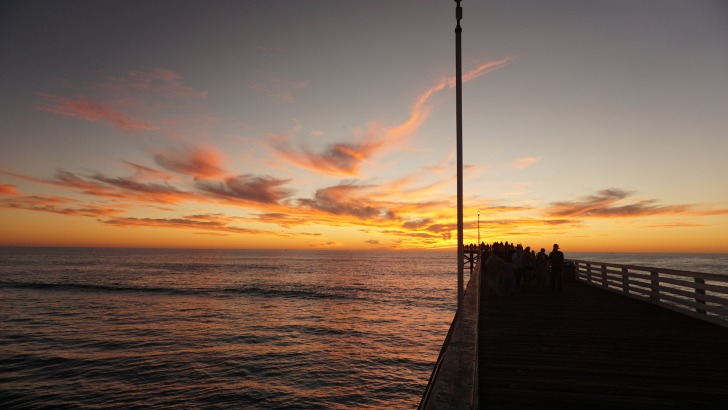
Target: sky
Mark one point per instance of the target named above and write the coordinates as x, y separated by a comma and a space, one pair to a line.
309, 124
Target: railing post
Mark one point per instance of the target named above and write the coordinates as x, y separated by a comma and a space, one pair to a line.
700, 295
625, 281
605, 284
588, 272
655, 286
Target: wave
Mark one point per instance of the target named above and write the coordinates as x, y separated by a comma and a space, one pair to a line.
251, 290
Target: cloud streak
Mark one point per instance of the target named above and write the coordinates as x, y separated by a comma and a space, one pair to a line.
280, 89
524, 162
609, 203
208, 222
346, 158
198, 162
247, 188
93, 111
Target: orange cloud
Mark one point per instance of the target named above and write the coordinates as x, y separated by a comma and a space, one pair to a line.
7, 189
94, 111
199, 162
420, 111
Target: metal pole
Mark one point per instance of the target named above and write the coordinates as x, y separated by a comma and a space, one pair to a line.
459, 105
478, 228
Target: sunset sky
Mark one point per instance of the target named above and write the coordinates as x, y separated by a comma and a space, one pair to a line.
600, 125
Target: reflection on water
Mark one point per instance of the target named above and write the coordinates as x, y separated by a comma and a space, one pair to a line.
234, 329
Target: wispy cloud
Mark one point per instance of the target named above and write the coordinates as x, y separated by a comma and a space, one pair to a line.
524, 162
278, 88
58, 205
610, 203
133, 101
346, 158
209, 222
421, 110
260, 189
677, 225
143, 173
159, 81
346, 199
94, 111
339, 159
199, 162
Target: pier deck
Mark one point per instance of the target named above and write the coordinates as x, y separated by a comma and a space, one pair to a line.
588, 348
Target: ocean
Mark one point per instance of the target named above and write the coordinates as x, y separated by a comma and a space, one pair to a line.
133, 328
151, 328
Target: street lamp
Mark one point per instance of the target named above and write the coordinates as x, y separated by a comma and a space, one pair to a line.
459, 143
478, 228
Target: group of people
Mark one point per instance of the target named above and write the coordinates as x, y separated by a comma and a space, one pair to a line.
510, 266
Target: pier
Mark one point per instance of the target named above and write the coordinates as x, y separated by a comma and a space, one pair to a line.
617, 336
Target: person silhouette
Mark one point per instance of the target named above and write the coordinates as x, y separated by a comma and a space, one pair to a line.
556, 257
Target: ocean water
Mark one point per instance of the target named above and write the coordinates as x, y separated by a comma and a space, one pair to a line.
121, 328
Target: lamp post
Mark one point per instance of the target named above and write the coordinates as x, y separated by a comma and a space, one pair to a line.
459, 121
478, 228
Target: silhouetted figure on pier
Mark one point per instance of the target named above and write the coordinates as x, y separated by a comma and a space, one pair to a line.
542, 266
518, 264
556, 257
529, 266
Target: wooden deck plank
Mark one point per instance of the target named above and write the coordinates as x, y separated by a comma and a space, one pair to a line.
588, 348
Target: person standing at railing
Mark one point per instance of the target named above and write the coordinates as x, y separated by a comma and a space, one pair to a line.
556, 257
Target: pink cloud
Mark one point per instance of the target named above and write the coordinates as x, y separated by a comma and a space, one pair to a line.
94, 111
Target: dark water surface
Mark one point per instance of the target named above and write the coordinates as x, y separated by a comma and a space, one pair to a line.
99, 328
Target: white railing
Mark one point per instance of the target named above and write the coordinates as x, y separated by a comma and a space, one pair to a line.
701, 295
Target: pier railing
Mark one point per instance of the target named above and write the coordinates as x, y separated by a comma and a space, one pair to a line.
701, 295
